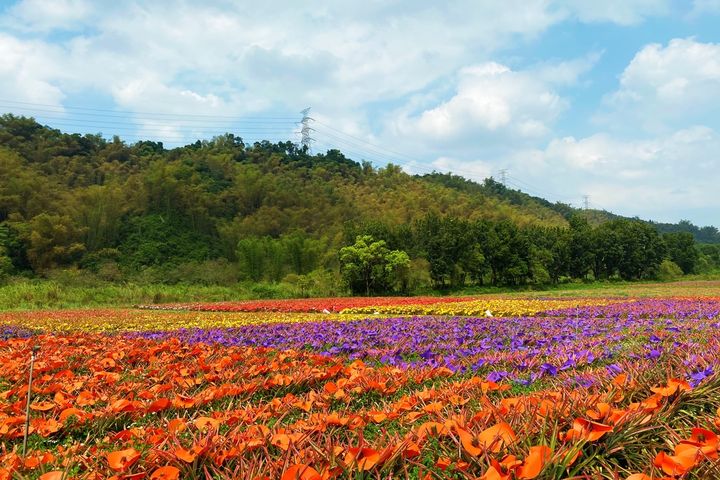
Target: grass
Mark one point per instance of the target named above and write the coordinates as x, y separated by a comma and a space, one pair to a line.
36, 294
49, 294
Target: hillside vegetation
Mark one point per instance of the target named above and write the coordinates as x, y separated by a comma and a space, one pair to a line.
221, 211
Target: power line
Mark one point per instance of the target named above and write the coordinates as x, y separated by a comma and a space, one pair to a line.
378, 151
412, 159
165, 128
545, 194
62, 109
107, 118
353, 144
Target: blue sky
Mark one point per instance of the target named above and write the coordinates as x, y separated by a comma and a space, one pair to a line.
618, 100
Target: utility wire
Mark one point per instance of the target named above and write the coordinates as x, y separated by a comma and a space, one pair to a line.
166, 128
61, 109
542, 193
94, 117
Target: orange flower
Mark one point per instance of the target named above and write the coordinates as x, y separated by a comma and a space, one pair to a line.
377, 417
182, 401
431, 429
492, 439
705, 440
281, 440
166, 473
42, 406
71, 412
587, 430
674, 385
435, 407
176, 425
410, 450
54, 475
676, 464
363, 458
207, 423
534, 462
159, 405
185, 455
495, 473
122, 459
301, 472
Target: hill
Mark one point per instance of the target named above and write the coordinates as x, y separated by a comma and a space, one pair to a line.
142, 211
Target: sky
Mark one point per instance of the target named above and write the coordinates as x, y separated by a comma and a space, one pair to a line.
616, 100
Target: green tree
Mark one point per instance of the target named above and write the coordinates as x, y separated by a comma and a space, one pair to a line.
508, 254
581, 248
629, 248
669, 270
6, 265
681, 250
449, 247
369, 267
252, 257
53, 241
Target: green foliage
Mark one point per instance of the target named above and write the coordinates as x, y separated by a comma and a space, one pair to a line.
669, 270
13, 248
368, 267
708, 258
220, 211
6, 266
53, 241
156, 240
707, 234
267, 258
629, 249
681, 250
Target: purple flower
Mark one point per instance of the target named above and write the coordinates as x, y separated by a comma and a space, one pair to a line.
548, 369
699, 376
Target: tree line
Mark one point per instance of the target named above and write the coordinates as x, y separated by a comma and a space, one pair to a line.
460, 252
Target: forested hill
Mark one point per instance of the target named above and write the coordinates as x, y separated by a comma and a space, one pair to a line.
69, 200
68, 196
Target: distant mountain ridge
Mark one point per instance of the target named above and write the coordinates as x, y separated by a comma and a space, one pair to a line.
490, 186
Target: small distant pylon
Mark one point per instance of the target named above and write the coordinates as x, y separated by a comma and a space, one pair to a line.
305, 130
503, 177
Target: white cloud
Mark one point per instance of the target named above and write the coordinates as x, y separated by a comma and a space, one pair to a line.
39, 15
622, 12
334, 56
600, 152
279, 50
27, 71
493, 102
668, 86
657, 177
701, 7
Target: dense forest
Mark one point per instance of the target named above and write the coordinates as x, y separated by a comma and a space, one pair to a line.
221, 211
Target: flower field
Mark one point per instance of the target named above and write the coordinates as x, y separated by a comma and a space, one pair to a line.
304, 304
390, 305
572, 388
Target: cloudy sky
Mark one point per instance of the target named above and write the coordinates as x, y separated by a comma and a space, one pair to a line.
618, 100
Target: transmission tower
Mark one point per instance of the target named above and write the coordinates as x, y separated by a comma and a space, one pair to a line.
503, 176
586, 202
305, 130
